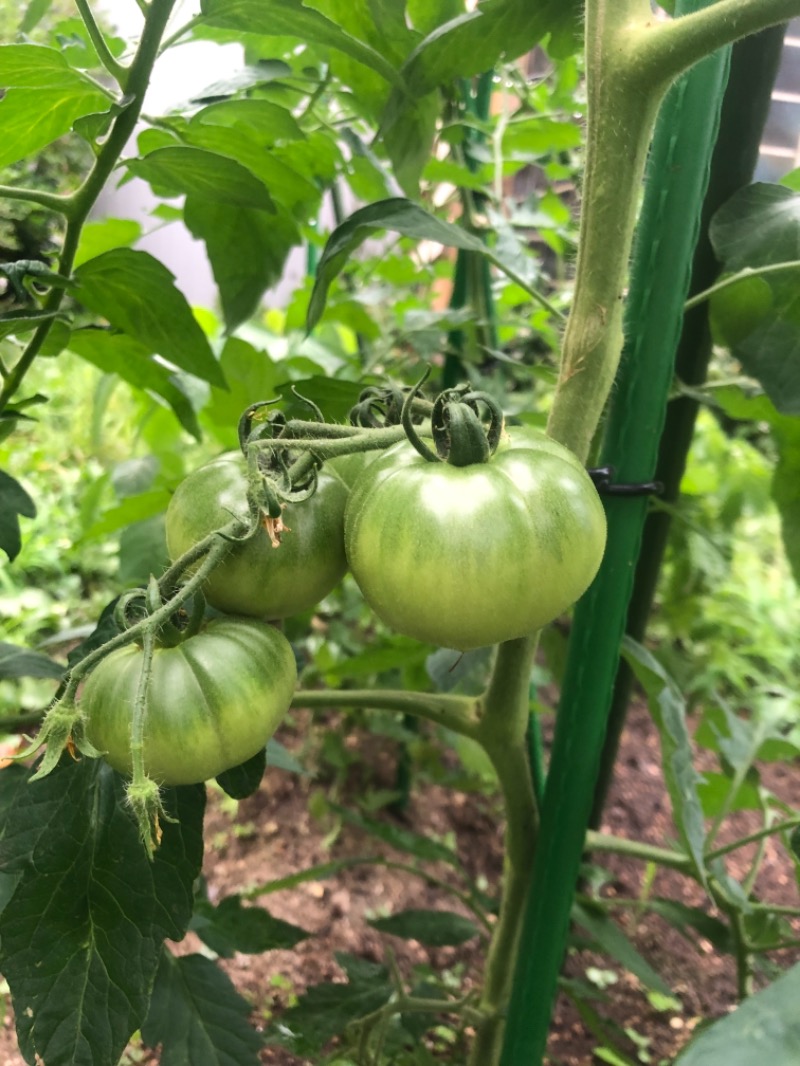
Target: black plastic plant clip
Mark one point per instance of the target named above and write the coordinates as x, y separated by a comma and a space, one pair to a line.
602, 478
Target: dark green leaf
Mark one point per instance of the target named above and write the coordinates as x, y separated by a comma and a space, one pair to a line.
397, 214
269, 122
612, 941
23, 321
292, 18
475, 41
136, 294
435, 929
183, 171
21, 662
197, 1016
14, 501
82, 933
241, 781
760, 226
105, 629
765, 1028
409, 140
714, 793
333, 396
282, 759
325, 1010
399, 838
230, 927
143, 551
683, 918
118, 353
247, 250
669, 713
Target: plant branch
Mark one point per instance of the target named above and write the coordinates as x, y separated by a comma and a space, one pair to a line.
117, 71
457, 713
634, 849
60, 204
765, 831
658, 52
734, 279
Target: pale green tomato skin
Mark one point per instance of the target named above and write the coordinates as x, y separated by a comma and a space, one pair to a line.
256, 579
464, 557
213, 701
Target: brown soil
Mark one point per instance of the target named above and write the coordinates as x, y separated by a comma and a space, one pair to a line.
274, 835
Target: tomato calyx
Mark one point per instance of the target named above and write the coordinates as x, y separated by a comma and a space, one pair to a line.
459, 434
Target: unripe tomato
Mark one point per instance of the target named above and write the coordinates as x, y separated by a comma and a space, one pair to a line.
468, 556
213, 701
257, 579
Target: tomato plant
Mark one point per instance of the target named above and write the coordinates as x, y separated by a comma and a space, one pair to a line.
214, 700
258, 579
465, 556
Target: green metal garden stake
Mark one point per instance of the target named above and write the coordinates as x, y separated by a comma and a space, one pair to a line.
754, 66
679, 164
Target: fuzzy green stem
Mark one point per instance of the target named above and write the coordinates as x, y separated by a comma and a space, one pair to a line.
117, 71
759, 834
457, 713
60, 204
77, 206
503, 735
741, 275
661, 51
634, 849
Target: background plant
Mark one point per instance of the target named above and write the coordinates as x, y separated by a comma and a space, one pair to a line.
316, 110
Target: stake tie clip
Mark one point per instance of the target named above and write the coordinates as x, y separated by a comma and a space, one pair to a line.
602, 478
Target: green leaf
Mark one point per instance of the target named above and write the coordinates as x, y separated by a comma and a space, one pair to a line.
765, 1028
760, 226
247, 250
132, 509
325, 1010
243, 780
18, 322
277, 18
136, 294
181, 171
34, 13
474, 42
269, 122
252, 376
401, 839
683, 917
118, 353
99, 237
143, 551
22, 662
230, 927
409, 140
426, 15
332, 395
82, 933
282, 759
44, 97
197, 1016
396, 214
435, 929
612, 941
669, 713
14, 501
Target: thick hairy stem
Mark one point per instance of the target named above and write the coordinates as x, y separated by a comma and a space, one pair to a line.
503, 735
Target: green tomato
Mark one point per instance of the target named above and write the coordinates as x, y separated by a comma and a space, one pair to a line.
257, 579
469, 556
213, 701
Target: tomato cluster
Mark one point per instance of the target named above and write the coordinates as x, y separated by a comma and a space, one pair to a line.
459, 556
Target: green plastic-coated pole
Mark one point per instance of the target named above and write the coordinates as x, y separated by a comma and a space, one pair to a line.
754, 67
678, 174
